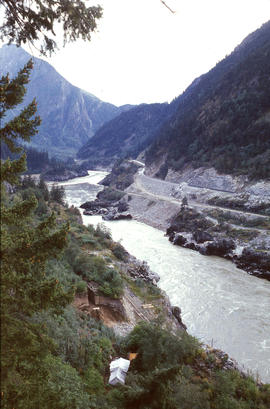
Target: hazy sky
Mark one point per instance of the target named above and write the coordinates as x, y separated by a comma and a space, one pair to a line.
144, 53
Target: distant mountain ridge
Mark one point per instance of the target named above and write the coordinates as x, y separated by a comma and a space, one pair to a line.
222, 120
70, 116
126, 135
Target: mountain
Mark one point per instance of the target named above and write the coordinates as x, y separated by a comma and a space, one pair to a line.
223, 119
126, 135
70, 116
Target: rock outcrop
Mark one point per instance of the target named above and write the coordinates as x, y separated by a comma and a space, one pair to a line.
114, 215
140, 270
218, 247
254, 262
121, 175
177, 314
110, 202
109, 210
212, 240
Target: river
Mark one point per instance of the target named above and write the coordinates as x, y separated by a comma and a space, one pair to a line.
221, 305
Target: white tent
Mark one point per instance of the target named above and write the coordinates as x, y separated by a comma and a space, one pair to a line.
118, 368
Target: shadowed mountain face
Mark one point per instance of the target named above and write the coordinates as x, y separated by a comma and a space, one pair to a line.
70, 116
223, 120
126, 135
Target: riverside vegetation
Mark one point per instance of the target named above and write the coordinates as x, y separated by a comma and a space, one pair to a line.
60, 356
56, 357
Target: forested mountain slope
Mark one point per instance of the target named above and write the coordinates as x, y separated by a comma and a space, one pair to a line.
224, 120
127, 134
70, 116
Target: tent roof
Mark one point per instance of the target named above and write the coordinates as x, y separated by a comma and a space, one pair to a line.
121, 363
118, 368
117, 375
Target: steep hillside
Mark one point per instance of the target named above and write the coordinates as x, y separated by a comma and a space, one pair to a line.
70, 116
223, 120
127, 134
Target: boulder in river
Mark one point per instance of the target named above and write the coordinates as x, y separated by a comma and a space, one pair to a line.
114, 215
219, 247
255, 262
179, 239
201, 236
95, 205
190, 245
177, 313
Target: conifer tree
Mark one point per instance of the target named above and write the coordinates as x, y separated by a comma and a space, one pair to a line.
26, 245
35, 21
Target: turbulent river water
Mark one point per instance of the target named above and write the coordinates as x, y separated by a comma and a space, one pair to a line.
221, 305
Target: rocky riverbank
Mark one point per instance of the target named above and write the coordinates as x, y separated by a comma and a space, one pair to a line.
223, 225
108, 208
191, 229
226, 216
160, 206
112, 202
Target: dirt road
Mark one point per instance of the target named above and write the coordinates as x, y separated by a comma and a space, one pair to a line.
161, 190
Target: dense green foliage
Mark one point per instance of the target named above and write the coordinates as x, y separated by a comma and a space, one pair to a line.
50, 356
172, 372
26, 246
38, 188
91, 267
223, 118
37, 161
111, 195
35, 21
51, 168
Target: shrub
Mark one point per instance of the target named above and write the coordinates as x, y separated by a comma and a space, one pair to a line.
159, 348
42, 208
95, 268
62, 377
81, 287
93, 381
110, 195
111, 283
57, 194
119, 252
188, 395
103, 232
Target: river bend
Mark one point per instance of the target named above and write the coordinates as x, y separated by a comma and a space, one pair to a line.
221, 305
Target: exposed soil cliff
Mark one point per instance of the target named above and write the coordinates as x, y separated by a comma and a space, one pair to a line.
142, 300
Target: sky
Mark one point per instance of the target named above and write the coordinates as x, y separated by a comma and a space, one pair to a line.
143, 53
